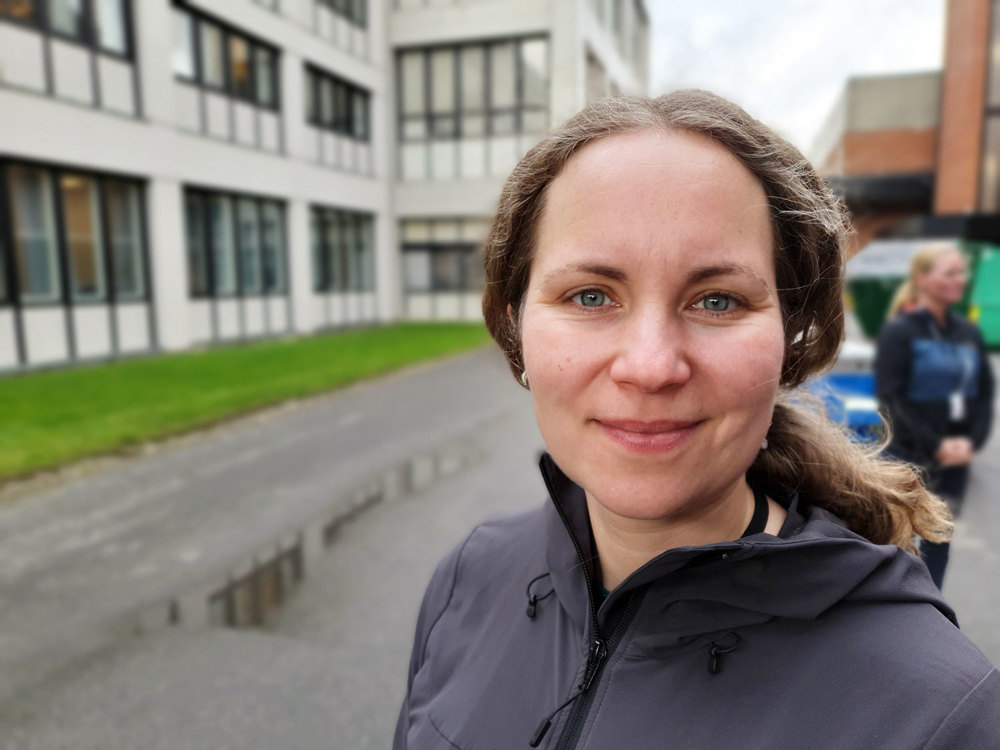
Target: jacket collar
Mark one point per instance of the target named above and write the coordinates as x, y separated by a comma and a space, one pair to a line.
814, 563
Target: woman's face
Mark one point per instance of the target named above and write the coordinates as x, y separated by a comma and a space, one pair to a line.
651, 328
944, 283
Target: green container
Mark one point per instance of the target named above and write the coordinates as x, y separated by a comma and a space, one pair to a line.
872, 296
985, 297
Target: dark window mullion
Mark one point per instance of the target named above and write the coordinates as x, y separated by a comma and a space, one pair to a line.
107, 249
199, 63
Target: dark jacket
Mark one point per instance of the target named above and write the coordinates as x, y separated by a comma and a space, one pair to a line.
812, 639
918, 365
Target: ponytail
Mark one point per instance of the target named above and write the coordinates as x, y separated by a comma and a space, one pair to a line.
905, 297
878, 498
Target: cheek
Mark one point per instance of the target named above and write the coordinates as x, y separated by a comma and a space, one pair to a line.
555, 358
745, 375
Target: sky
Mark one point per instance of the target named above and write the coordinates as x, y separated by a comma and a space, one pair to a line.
786, 61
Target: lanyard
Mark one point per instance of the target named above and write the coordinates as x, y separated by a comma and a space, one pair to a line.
964, 361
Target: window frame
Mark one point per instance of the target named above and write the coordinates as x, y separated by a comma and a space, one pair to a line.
233, 201
348, 10
460, 108
228, 32
342, 268
89, 36
64, 296
461, 250
341, 122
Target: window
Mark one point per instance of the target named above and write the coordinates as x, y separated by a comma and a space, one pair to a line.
212, 70
249, 241
229, 61
239, 68
83, 238
272, 243
125, 239
101, 249
264, 72
354, 11
25, 11
66, 17
490, 89
183, 56
101, 24
223, 249
442, 256
194, 221
111, 25
242, 245
35, 249
343, 107
343, 250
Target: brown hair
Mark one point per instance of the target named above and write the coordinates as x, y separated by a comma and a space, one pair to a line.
883, 501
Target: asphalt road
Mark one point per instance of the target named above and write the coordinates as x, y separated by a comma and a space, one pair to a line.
328, 670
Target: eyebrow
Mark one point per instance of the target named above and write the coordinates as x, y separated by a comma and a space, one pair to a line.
616, 274
598, 269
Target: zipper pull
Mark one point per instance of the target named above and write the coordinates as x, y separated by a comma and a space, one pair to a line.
595, 656
598, 652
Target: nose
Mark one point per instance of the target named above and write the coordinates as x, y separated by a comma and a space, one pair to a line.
652, 353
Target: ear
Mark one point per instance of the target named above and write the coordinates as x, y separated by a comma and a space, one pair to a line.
510, 313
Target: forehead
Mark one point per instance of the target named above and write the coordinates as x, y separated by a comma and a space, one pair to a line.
662, 195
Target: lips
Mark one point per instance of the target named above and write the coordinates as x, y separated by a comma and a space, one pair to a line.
640, 436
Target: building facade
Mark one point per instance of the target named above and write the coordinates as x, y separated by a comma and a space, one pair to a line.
918, 155
188, 173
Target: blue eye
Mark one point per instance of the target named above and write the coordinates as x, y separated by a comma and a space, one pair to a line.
590, 298
716, 302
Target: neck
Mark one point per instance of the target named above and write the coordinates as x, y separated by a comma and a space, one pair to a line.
936, 308
626, 544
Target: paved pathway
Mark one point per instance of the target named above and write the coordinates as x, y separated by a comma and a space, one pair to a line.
328, 670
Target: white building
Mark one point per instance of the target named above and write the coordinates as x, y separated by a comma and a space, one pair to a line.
176, 174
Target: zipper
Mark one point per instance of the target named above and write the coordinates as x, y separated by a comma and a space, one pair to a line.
595, 668
598, 652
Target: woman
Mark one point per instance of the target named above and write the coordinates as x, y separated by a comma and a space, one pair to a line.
660, 274
934, 382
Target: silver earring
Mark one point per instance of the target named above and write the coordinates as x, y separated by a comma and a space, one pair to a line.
763, 444
524, 378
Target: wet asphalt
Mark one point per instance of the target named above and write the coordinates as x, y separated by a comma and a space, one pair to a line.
328, 668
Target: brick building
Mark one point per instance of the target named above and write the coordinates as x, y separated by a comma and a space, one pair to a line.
918, 155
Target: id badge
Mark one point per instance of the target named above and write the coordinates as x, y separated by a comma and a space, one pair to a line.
956, 406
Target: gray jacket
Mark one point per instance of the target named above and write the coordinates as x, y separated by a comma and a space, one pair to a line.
812, 639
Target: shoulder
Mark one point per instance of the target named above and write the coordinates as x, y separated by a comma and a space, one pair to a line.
503, 543
904, 325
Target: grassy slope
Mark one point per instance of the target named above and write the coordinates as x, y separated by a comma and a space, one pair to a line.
53, 417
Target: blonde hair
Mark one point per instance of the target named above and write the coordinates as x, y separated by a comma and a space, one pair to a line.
921, 263
882, 500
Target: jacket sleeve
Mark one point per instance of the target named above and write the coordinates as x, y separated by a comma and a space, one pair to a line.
435, 602
974, 724
893, 362
982, 411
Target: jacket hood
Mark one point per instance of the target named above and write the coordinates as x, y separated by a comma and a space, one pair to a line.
813, 564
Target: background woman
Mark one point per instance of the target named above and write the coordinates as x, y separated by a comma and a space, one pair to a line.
934, 382
661, 274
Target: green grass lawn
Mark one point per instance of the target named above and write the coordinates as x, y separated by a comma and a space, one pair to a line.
53, 417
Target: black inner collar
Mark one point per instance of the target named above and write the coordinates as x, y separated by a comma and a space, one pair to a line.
759, 519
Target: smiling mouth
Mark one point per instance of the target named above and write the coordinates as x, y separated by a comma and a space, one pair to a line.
658, 436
